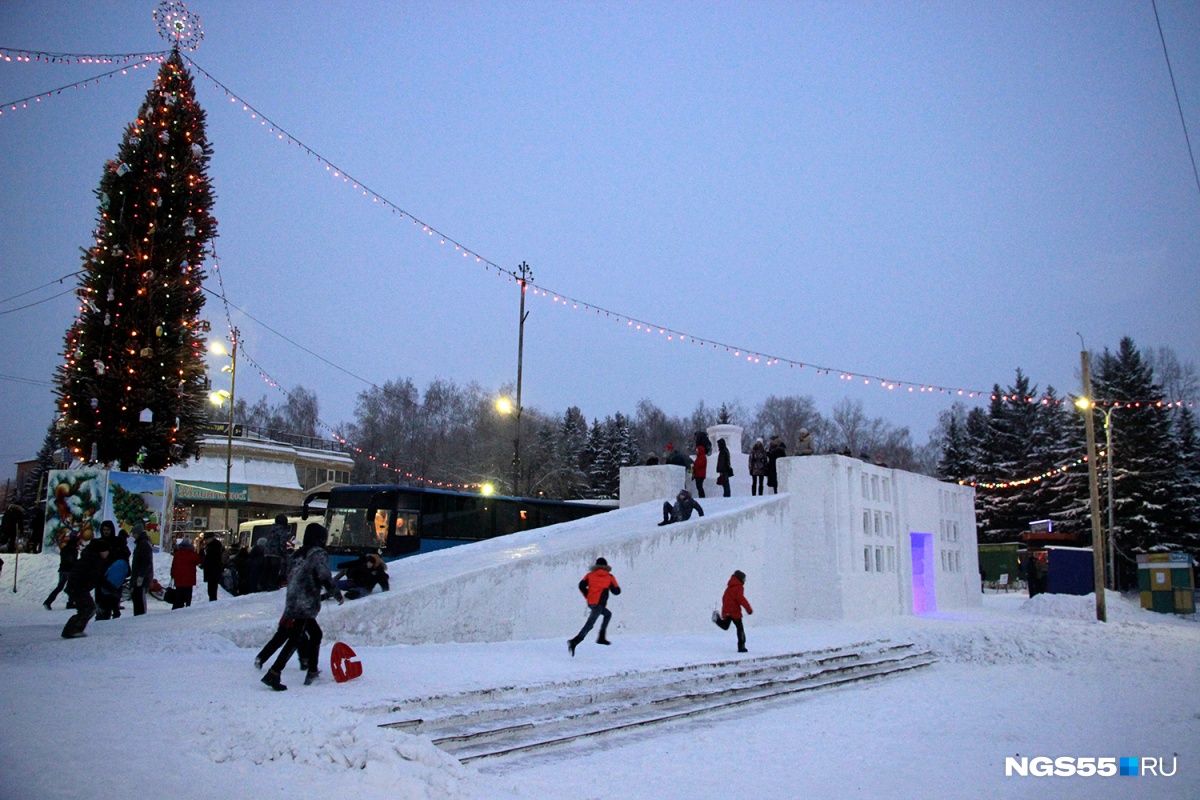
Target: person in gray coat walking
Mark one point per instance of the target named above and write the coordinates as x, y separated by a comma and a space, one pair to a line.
308, 577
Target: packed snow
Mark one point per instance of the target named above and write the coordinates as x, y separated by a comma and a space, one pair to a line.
170, 705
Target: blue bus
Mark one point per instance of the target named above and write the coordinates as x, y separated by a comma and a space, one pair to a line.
396, 521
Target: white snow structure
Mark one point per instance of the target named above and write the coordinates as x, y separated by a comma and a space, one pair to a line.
841, 540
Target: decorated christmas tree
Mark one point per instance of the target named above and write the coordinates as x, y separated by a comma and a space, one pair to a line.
131, 390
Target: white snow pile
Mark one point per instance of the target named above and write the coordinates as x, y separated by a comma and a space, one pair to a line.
182, 682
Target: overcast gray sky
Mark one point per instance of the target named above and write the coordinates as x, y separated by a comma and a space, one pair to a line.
935, 193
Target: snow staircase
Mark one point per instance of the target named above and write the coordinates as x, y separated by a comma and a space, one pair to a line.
497, 722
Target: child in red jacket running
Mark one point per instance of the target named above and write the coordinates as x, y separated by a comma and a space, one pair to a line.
595, 587
732, 603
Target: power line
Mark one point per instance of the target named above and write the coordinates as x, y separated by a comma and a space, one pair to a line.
43, 286
1175, 89
38, 302
292, 342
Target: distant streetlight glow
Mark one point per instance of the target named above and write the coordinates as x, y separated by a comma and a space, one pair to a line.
487, 489
504, 405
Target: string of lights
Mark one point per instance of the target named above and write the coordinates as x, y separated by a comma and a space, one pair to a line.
748, 354
23, 103
9, 54
1033, 479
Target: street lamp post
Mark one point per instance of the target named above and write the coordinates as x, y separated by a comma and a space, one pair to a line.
1112, 565
218, 398
526, 276
1085, 403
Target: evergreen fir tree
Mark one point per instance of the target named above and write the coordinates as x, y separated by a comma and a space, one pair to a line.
955, 461
131, 390
1145, 469
572, 444
32, 490
1186, 510
1063, 497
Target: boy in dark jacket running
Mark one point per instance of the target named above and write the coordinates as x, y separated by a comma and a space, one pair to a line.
68, 554
595, 588
732, 603
86, 577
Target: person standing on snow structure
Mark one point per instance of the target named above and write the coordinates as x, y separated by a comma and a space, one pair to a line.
700, 469
595, 587
775, 451
732, 603
308, 575
682, 510
759, 461
724, 470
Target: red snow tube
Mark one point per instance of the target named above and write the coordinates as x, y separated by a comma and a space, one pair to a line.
344, 663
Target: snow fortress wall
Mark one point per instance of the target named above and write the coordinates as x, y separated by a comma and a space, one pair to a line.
835, 543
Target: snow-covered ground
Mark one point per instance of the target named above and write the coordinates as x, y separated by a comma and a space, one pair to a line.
170, 705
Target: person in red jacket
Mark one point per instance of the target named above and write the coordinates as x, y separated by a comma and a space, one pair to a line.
183, 573
732, 603
700, 469
595, 587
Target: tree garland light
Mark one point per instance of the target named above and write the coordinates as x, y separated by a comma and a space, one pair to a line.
14, 105
1035, 479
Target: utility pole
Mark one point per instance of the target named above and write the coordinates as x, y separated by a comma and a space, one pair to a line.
1093, 486
526, 276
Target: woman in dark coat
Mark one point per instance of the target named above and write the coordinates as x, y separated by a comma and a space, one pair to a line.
724, 470
213, 563
142, 569
775, 451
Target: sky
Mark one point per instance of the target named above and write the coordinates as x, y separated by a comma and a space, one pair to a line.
934, 193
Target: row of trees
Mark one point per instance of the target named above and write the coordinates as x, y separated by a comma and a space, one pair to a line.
453, 434
1024, 454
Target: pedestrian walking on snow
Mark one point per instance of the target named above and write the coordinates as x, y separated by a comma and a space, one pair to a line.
732, 603
183, 573
595, 587
68, 554
213, 563
273, 570
308, 576
86, 577
142, 569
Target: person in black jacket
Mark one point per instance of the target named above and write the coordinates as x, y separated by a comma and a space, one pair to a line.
685, 504
213, 563
86, 577
142, 571
68, 554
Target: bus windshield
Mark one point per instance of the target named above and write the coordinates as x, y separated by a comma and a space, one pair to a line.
358, 527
